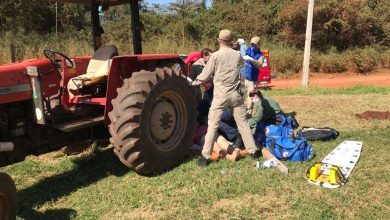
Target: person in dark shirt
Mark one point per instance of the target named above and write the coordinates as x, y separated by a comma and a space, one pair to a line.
264, 113
264, 110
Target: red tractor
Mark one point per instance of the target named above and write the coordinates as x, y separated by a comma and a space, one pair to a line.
143, 100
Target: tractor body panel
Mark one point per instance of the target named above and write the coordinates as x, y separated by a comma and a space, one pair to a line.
15, 84
121, 68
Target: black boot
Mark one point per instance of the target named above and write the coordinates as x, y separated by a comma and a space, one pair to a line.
203, 162
238, 143
255, 155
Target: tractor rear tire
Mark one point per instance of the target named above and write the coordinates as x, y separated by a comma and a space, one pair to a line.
7, 197
153, 120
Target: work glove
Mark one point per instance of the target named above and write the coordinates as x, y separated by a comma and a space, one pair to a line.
190, 81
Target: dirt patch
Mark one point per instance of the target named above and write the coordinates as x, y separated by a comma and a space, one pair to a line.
48, 158
325, 110
139, 213
266, 206
143, 213
369, 115
333, 80
76, 147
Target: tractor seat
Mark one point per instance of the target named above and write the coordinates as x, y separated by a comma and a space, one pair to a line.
97, 71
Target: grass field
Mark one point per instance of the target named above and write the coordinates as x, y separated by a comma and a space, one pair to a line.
94, 184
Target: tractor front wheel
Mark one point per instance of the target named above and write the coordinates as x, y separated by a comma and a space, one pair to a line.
152, 120
7, 197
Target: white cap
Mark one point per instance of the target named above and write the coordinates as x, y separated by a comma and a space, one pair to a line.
240, 41
255, 40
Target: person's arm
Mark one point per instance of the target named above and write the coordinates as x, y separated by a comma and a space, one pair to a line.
277, 108
274, 105
206, 73
195, 70
257, 116
258, 63
242, 61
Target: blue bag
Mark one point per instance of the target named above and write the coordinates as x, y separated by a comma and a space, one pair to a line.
284, 126
273, 131
288, 124
280, 140
286, 148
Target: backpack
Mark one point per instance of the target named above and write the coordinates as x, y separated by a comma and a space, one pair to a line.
280, 141
286, 148
288, 124
315, 134
285, 124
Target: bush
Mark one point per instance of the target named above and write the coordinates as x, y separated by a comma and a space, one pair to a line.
363, 60
285, 59
385, 59
333, 63
315, 62
337, 23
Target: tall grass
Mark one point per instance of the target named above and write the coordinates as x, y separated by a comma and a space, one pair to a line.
32, 45
355, 90
76, 44
284, 59
364, 60
333, 63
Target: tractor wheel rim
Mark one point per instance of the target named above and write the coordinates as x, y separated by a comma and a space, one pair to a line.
162, 120
167, 120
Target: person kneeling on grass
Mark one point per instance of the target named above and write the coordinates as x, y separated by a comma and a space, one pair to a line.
264, 113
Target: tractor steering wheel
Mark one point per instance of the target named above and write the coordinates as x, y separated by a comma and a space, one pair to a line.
51, 55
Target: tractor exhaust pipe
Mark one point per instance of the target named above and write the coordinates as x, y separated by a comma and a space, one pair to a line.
6, 146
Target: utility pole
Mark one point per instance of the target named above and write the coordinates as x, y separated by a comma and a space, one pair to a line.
56, 22
306, 56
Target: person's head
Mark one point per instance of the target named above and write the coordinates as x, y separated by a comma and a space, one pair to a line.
236, 46
255, 95
225, 38
205, 53
255, 41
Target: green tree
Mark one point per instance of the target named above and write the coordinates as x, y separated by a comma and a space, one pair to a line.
341, 24
29, 15
185, 8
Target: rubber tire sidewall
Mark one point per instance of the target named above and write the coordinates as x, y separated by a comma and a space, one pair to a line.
162, 160
8, 191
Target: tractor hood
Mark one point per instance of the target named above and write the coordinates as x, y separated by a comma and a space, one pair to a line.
15, 84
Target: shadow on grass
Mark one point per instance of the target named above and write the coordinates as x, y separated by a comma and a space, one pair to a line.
89, 169
51, 214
